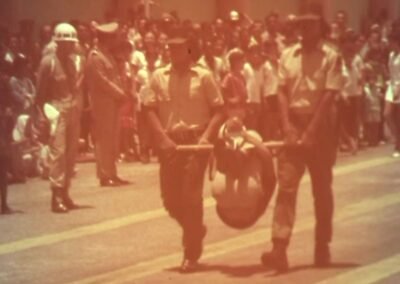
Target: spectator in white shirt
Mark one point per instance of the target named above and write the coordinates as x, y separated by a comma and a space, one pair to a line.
21, 86
392, 97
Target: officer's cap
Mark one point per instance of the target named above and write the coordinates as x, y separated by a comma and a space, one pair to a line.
307, 18
177, 37
107, 29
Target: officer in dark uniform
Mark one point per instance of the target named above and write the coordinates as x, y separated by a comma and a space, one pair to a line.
310, 78
106, 95
184, 108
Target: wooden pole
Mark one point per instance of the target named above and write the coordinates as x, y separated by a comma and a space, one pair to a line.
210, 147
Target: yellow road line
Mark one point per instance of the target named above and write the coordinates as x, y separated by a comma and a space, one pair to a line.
258, 237
369, 274
50, 239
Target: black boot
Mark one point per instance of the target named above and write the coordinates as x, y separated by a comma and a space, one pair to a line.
68, 202
5, 209
193, 249
277, 258
57, 204
322, 255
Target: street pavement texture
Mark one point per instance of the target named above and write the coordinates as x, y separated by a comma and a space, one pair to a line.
125, 236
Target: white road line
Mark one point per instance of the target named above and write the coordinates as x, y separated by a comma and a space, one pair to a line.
50, 239
369, 274
148, 268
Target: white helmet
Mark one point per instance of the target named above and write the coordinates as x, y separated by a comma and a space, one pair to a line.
65, 32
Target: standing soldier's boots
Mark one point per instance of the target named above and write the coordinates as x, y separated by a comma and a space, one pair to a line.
4, 206
276, 259
322, 255
67, 201
57, 203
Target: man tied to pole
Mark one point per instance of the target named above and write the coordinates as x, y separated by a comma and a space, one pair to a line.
184, 107
310, 76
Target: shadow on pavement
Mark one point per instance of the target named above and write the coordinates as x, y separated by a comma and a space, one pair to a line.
253, 269
232, 271
335, 265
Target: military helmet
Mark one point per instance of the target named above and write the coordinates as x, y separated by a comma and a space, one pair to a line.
65, 32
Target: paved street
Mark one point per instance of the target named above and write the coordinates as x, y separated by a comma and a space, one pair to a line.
125, 236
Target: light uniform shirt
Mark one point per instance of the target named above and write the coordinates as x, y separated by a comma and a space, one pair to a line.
254, 83
307, 75
393, 90
183, 100
56, 85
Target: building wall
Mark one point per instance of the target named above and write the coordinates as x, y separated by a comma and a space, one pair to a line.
197, 10
48, 11
357, 10
260, 8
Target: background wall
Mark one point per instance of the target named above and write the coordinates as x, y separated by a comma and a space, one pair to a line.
357, 10
47, 11
260, 8
199, 10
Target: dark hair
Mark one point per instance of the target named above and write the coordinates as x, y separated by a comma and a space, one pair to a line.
20, 61
235, 55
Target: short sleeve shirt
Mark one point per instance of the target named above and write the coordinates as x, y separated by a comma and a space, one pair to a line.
393, 90
270, 79
183, 99
307, 75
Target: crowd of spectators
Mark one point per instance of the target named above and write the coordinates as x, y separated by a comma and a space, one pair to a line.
243, 55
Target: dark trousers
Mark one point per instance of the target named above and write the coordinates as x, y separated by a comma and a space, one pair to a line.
144, 133
270, 119
392, 116
292, 163
181, 181
354, 120
349, 119
4, 165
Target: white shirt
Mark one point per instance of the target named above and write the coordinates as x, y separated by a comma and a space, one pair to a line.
254, 82
393, 90
271, 79
218, 70
353, 76
138, 59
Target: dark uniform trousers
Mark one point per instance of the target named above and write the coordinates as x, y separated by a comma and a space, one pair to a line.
182, 180
4, 164
292, 163
6, 124
270, 128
